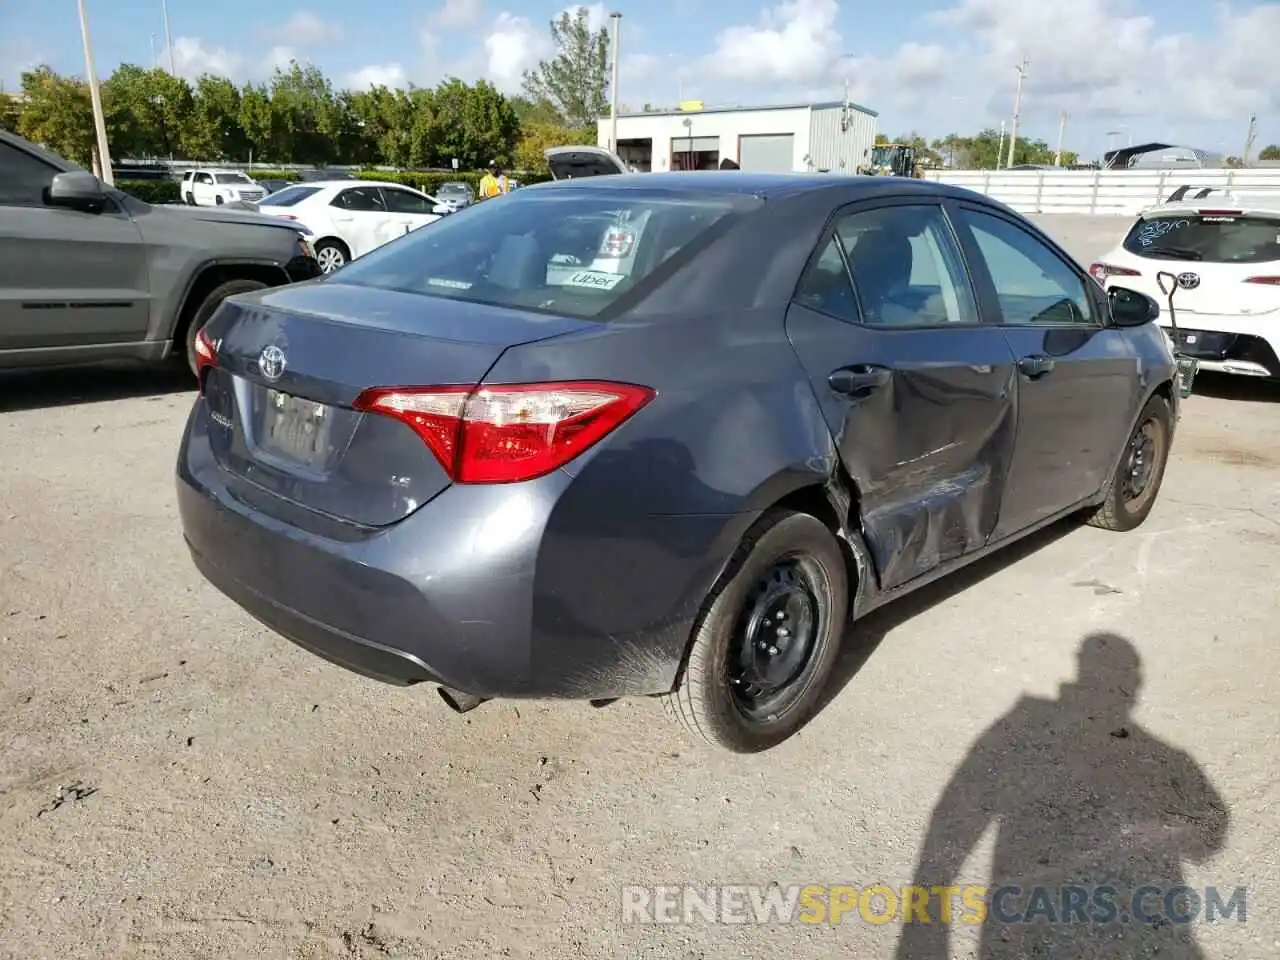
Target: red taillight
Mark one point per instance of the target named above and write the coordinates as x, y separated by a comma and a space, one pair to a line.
508, 433
206, 354
1101, 271
1269, 281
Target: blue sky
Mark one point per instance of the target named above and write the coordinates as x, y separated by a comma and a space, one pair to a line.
1189, 70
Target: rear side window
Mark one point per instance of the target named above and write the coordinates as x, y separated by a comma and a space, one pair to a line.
555, 251
288, 196
361, 199
1212, 239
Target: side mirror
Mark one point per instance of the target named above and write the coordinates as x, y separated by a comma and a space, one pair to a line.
76, 190
1129, 308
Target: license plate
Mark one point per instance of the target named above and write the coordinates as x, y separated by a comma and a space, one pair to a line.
296, 428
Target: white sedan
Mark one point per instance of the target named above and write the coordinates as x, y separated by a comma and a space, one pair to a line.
351, 217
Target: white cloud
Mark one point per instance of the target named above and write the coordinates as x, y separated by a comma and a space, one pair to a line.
391, 75
191, 58
305, 29
458, 14
597, 16
794, 43
16, 57
513, 46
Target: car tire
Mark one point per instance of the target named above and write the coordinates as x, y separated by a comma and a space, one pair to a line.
1134, 485
332, 255
189, 199
788, 558
217, 201
208, 306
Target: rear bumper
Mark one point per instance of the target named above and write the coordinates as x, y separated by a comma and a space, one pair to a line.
529, 590
1240, 345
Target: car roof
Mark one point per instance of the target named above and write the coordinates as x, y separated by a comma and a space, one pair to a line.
1245, 204
332, 184
745, 183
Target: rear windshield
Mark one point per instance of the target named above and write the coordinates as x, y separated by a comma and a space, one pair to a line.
287, 197
556, 251
1212, 239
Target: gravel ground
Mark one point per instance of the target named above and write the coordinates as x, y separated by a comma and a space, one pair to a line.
175, 781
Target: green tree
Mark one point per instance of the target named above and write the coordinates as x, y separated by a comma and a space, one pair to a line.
536, 111
475, 125
1270, 152
146, 112
307, 122
536, 137
576, 80
10, 107
58, 113
214, 130
258, 121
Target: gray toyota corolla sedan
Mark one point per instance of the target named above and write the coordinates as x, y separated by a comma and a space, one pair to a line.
661, 434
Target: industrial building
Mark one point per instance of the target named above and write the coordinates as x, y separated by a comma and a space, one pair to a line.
806, 137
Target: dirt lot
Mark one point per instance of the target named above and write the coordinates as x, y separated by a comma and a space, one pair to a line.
177, 782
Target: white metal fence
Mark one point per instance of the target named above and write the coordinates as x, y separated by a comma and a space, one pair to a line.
1099, 191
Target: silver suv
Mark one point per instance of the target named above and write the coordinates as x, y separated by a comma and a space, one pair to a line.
89, 273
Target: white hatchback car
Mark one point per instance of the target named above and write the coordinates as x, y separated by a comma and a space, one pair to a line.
210, 188
351, 217
1225, 253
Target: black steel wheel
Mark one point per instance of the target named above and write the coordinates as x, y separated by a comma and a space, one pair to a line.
1135, 484
768, 637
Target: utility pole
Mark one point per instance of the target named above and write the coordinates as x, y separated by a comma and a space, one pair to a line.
95, 97
613, 99
1000, 146
1248, 143
168, 36
1017, 108
1062, 132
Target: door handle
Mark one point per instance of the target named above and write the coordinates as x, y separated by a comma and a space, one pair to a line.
1036, 366
860, 380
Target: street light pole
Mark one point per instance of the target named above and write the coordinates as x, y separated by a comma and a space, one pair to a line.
168, 36
99, 121
1017, 108
613, 99
1062, 132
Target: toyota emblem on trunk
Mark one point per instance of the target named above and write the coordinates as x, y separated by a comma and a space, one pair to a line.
271, 362
1188, 281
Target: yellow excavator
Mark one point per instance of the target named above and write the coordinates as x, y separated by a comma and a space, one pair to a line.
892, 160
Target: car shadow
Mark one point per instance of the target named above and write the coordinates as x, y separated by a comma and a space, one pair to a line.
1095, 818
62, 387
1226, 386
865, 635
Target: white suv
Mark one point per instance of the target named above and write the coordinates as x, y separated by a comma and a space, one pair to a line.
1224, 251
211, 188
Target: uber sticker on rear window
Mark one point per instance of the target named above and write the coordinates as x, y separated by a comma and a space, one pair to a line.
594, 280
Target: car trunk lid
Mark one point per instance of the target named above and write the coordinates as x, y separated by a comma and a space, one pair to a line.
573, 163
293, 360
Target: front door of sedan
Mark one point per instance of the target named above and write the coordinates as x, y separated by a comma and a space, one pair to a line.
1076, 373
411, 210
361, 216
916, 390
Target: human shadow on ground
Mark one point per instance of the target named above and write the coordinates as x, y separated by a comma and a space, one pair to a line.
1091, 811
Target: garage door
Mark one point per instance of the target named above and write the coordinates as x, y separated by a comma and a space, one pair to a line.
767, 151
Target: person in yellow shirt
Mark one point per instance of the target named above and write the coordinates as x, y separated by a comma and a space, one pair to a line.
489, 186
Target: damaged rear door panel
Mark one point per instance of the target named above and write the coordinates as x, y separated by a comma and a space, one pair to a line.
917, 391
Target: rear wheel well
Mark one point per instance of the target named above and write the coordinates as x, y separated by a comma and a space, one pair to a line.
816, 500
1164, 390
215, 276
337, 242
